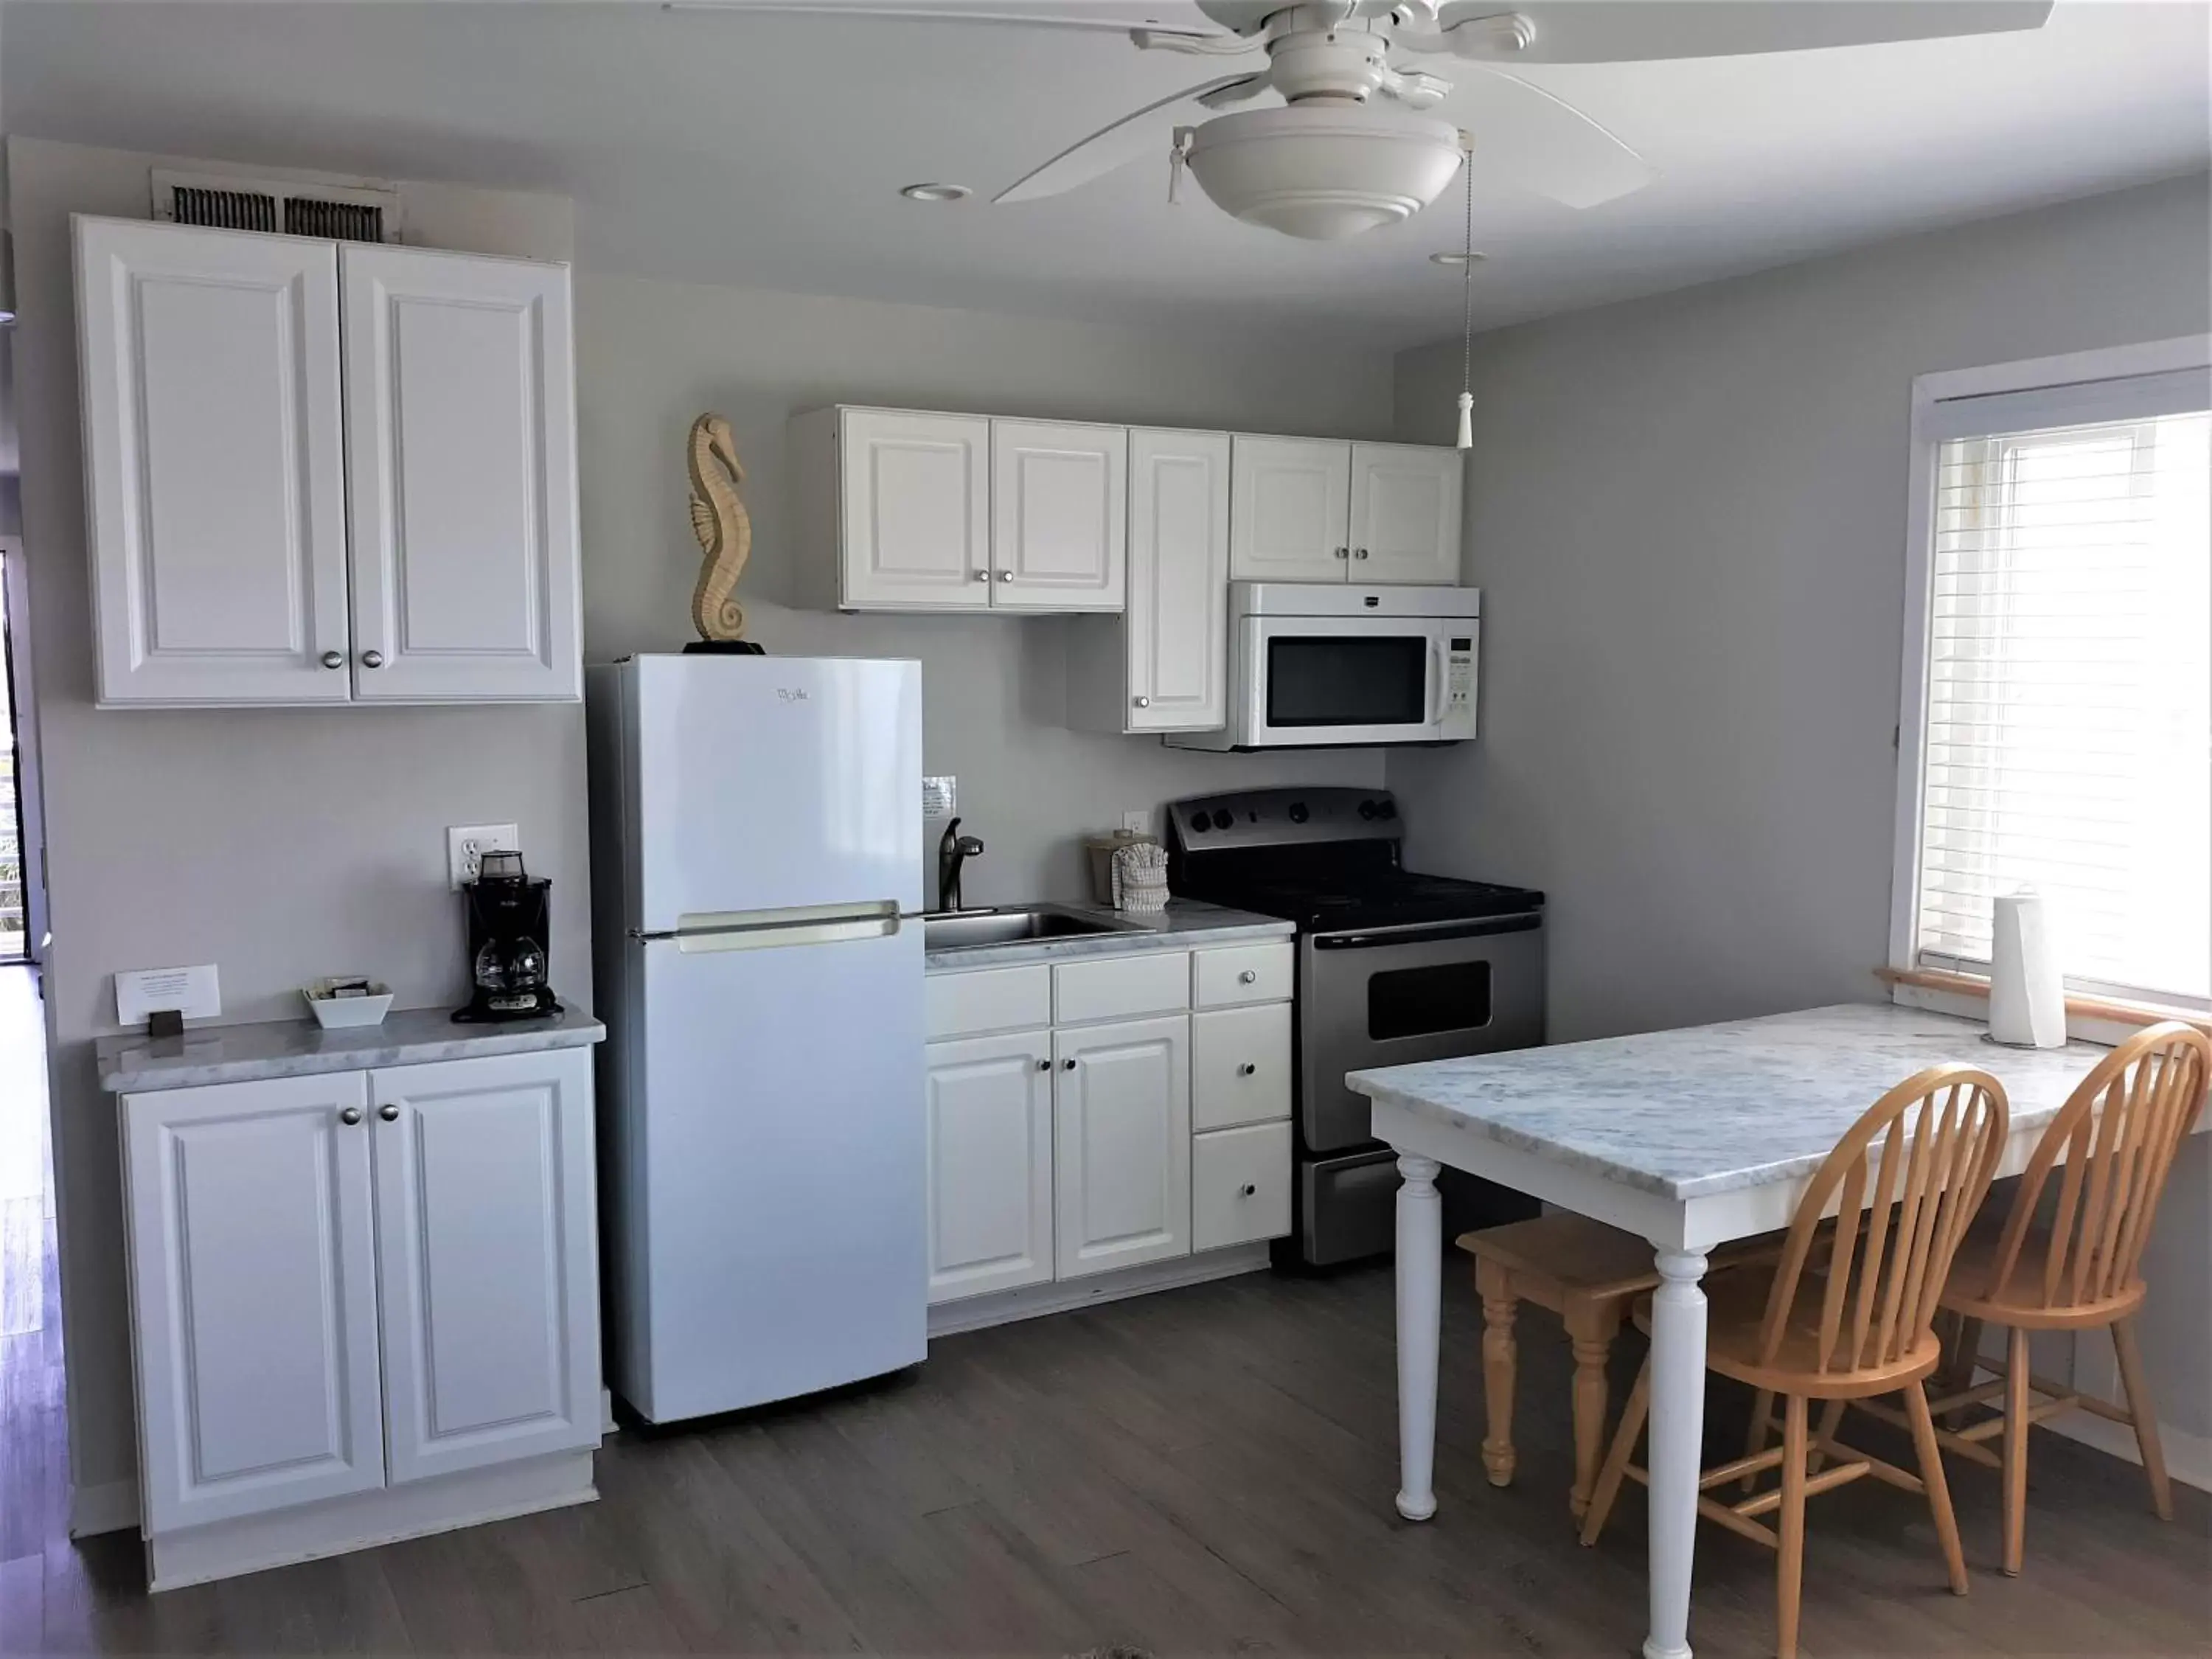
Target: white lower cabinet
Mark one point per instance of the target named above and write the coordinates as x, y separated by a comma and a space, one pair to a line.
1121, 1157
358, 1280
1240, 1186
990, 1164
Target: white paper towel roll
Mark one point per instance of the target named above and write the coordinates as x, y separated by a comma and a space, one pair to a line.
2027, 997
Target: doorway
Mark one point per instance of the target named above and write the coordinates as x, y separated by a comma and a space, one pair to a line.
22, 887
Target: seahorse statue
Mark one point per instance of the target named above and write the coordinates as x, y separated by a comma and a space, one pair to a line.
724, 528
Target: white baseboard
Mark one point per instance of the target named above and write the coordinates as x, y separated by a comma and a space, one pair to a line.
2188, 1457
112, 1507
1033, 1301
224, 1549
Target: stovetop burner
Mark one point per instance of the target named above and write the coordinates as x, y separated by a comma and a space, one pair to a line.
1326, 858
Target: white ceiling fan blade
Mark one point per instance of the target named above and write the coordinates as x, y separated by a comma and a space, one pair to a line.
1135, 136
1525, 136
1637, 31
1163, 19
1230, 93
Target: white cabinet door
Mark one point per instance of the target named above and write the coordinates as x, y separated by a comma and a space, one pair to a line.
461, 462
252, 1296
1122, 1144
915, 515
1177, 631
1059, 515
990, 1164
1404, 514
1292, 515
215, 480
488, 1259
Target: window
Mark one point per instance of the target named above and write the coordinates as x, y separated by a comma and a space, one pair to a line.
2061, 736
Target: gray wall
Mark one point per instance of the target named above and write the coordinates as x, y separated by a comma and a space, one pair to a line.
653, 354
278, 844
1687, 517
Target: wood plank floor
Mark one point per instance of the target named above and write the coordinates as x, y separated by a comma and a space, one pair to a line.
1204, 1471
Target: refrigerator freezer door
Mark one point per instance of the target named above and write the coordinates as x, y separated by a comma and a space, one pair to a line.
775, 1176
767, 783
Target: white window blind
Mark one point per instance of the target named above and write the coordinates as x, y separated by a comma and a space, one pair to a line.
2069, 738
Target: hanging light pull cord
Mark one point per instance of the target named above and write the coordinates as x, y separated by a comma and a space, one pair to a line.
1465, 440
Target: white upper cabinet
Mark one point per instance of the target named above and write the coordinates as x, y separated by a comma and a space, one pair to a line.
914, 497
1178, 625
282, 433
460, 438
1121, 1145
253, 1297
1404, 514
1059, 515
1291, 518
487, 1255
213, 455
990, 1164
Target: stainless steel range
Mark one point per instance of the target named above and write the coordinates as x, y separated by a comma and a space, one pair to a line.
1393, 966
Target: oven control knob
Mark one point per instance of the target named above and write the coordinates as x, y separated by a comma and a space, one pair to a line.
1298, 813
1199, 823
1387, 811
1221, 818
1367, 810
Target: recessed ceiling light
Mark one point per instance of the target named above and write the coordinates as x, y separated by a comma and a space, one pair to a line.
1456, 258
936, 192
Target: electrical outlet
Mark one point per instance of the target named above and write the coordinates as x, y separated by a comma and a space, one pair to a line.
466, 845
1138, 822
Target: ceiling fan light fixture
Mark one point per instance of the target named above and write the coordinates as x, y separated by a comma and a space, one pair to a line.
932, 192
1454, 259
1324, 173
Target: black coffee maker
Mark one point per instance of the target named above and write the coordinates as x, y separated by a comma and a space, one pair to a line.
509, 917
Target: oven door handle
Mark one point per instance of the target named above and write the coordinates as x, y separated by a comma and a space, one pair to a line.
1424, 932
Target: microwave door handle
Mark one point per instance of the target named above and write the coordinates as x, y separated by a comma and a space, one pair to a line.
1438, 677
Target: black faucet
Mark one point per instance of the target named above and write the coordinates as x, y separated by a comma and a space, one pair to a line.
953, 849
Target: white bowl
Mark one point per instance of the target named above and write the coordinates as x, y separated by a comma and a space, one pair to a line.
342, 1013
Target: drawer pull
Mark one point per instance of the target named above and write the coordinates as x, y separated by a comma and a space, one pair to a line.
1246, 1069
1247, 977
1248, 1190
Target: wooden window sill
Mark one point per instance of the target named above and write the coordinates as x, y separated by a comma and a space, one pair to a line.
2120, 1013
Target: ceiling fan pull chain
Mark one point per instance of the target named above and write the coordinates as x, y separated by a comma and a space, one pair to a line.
1178, 159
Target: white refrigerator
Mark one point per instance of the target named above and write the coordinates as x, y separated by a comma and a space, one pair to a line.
757, 854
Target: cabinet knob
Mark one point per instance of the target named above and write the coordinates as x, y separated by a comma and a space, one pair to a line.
388, 1112
1246, 1069
1248, 1190
1358, 552
1044, 1065
982, 575
1247, 977
371, 659
349, 1115
1006, 575
334, 660
1343, 552
1143, 702
1068, 1065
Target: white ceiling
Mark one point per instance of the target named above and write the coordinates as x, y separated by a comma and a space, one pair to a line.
766, 151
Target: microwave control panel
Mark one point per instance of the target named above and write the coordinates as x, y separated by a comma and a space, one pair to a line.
1458, 721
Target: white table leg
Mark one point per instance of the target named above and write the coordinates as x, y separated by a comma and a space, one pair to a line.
1677, 1435
1420, 1313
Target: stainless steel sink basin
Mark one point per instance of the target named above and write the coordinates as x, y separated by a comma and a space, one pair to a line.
955, 930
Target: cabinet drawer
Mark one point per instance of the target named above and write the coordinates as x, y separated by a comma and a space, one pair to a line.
1240, 1066
1242, 973
1240, 1186
990, 999
1117, 987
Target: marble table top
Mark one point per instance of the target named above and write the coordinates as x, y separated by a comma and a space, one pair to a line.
300, 1048
1709, 1109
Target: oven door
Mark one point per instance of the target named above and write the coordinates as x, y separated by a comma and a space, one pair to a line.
1310, 681
1390, 995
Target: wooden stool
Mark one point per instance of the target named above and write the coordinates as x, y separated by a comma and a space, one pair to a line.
1843, 1322
2079, 1268
1589, 1274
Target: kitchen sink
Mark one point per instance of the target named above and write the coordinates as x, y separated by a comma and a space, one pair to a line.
955, 930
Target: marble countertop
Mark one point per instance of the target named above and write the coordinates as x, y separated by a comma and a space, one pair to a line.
1708, 1109
300, 1048
1186, 924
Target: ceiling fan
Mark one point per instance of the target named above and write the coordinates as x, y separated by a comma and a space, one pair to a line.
1364, 137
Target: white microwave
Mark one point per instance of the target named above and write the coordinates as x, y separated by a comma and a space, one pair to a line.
1315, 665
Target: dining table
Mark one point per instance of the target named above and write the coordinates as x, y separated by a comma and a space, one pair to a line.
1691, 1139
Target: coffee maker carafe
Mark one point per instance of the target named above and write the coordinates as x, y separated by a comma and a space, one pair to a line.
509, 916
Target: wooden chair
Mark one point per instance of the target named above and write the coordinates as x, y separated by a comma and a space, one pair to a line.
1845, 1320
2080, 1269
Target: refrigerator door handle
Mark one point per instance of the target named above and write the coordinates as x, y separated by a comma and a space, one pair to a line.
762, 930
